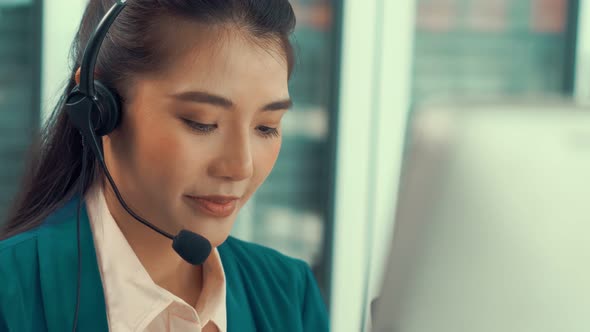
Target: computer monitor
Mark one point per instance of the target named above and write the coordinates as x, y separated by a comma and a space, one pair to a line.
492, 230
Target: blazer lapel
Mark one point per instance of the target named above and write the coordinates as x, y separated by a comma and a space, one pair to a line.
239, 317
58, 268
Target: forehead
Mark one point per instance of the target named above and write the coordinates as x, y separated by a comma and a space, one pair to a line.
225, 60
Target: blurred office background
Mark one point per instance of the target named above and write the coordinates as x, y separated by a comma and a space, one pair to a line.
363, 66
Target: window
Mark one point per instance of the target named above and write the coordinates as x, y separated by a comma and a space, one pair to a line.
20, 58
474, 48
291, 211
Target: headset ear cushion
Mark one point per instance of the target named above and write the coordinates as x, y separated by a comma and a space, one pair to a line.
108, 107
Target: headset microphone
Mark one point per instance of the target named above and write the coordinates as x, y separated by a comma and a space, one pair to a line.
95, 111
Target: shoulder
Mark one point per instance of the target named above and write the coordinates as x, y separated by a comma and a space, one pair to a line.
283, 285
266, 268
18, 245
21, 277
26, 241
55, 220
19, 253
254, 256
18, 276
19, 263
16, 255
256, 252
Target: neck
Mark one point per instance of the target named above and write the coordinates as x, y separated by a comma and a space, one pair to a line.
155, 252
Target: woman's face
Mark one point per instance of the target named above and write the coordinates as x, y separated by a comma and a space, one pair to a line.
198, 138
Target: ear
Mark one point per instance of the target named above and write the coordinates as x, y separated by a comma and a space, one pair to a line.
77, 76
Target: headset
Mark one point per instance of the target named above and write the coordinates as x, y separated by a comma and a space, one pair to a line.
95, 111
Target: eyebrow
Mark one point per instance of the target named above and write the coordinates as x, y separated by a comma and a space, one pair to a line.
212, 99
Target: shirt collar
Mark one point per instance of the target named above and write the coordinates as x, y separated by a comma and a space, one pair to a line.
132, 298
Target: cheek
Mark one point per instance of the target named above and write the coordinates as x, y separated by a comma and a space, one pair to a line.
264, 160
161, 150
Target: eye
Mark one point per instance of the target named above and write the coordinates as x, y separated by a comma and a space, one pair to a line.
200, 127
268, 132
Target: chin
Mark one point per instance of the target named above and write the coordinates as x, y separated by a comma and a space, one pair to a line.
216, 239
216, 231
219, 240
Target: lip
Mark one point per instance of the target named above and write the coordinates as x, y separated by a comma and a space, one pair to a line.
215, 205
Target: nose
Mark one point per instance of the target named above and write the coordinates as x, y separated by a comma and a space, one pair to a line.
234, 161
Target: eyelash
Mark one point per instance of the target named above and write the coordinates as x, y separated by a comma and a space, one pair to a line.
266, 132
200, 127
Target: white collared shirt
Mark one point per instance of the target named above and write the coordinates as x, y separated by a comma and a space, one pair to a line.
134, 301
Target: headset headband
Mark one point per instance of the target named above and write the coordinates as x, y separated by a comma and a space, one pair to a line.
93, 48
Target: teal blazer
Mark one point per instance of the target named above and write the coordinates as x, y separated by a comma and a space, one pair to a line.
266, 291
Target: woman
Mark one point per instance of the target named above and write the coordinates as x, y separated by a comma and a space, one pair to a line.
203, 86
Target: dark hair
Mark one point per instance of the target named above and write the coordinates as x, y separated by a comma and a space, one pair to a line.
132, 46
